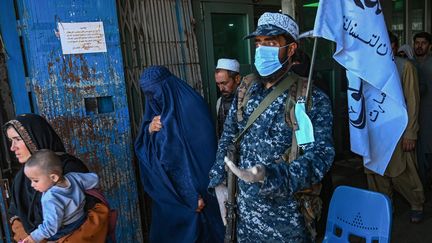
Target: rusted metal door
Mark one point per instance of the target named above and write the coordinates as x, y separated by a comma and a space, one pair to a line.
83, 95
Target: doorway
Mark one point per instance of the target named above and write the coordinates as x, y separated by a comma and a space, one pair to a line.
220, 30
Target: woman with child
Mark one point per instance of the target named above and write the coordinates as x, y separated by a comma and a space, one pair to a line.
62, 198
29, 133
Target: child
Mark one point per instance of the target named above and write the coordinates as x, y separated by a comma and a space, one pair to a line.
62, 196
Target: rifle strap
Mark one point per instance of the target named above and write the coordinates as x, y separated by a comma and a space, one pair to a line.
268, 100
294, 146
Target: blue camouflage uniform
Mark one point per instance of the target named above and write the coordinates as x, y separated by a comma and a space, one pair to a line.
268, 212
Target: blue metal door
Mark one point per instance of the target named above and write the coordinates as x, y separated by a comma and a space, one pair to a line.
82, 95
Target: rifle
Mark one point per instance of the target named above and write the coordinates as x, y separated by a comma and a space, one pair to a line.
230, 204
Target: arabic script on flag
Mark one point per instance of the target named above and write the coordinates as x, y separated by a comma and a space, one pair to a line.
376, 105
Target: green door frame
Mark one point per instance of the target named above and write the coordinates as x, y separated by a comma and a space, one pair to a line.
205, 35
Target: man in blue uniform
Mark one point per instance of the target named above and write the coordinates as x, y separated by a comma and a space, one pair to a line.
267, 208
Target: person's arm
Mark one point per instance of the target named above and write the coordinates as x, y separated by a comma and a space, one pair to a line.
17, 227
12, 212
53, 213
412, 98
87, 180
422, 85
282, 179
173, 159
181, 180
12, 209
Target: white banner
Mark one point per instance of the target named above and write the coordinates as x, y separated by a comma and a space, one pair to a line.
377, 110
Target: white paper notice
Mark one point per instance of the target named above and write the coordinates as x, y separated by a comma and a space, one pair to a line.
82, 37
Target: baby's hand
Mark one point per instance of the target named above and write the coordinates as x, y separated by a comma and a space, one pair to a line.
28, 239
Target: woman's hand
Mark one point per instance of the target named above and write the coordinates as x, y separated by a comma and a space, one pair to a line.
155, 124
18, 230
201, 204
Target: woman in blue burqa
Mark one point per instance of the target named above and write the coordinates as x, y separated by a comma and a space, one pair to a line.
176, 148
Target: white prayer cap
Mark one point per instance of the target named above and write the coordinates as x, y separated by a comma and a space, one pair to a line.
228, 64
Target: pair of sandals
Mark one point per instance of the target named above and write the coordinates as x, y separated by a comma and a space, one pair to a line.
416, 216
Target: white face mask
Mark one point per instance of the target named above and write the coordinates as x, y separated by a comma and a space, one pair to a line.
267, 59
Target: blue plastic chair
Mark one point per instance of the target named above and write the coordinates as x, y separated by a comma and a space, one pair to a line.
358, 212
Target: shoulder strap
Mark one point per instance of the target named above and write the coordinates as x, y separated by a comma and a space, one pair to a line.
294, 146
243, 94
268, 100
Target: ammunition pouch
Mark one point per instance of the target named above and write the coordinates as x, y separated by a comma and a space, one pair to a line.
310, 205
308, 200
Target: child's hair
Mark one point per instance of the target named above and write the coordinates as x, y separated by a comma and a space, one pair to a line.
47, 161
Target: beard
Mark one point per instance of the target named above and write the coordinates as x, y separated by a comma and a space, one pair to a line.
227, 94
419, 52
228, 98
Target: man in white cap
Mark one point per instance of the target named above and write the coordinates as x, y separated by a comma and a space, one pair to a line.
227, 76
268, 180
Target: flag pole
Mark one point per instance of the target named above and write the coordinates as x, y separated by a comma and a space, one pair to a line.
311, 67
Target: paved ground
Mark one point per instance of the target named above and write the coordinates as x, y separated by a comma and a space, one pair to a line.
351, 173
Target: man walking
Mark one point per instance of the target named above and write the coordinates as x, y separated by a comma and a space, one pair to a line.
401, 173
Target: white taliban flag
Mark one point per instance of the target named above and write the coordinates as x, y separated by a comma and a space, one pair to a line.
377, 110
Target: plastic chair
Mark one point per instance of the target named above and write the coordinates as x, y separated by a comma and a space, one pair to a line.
360, 213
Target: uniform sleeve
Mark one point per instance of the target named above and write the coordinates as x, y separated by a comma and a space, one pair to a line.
284, 179
53, 213
217, 173
412, 99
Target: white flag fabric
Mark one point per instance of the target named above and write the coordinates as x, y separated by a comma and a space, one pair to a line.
377, 110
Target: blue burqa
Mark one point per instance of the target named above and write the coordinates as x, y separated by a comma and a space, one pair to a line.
175, 161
